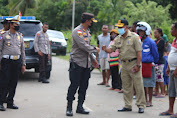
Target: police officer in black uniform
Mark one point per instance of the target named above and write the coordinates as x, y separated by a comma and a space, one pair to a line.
79, 71
12, 58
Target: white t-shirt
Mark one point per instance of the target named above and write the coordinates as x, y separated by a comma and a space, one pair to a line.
172, 58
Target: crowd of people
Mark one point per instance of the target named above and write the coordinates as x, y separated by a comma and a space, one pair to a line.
154, 61
139, 65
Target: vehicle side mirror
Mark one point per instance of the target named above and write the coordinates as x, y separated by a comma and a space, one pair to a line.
66, 39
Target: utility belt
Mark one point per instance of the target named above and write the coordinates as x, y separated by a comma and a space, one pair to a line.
126, 61
12, 57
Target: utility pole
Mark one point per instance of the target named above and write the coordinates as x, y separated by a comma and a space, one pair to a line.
73, 14
89, 3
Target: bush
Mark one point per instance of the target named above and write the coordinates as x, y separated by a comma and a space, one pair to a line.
68, 35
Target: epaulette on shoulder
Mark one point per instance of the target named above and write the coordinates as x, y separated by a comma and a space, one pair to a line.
133, 33
2, 32
20, 33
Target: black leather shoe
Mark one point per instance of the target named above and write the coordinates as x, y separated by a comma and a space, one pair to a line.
124, 109
141, 110
12, 106
45, 81
2, 108
81, 110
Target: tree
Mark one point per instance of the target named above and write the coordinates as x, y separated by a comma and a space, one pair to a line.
111, 11
4, 11
173, 8
149, 12
22, 5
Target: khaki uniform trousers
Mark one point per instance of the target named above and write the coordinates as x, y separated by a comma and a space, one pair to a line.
130, 80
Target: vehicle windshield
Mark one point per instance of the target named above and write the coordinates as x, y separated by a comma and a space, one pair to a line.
55, 34
29, 28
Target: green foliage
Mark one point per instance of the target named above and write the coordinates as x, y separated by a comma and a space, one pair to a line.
22, 5
68, 35
173, 8
166, 30
111, 11
149, 12
4, 11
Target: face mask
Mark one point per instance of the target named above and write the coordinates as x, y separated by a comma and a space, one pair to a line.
16, 28
121, 31
91, 25
112, 37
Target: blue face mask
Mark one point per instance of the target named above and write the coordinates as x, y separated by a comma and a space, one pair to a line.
121, 31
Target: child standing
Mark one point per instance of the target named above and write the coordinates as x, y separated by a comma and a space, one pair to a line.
166, 78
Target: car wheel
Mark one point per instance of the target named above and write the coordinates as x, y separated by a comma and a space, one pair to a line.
57, 52
37, 69
64, 53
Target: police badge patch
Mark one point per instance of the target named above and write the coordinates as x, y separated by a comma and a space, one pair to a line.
79, 32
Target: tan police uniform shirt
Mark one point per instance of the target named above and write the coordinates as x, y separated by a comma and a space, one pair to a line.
41, 42
81, 48
12, 44
128, 46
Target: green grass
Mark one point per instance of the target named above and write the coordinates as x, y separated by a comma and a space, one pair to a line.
64, 57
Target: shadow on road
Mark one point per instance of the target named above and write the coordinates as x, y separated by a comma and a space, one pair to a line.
29, 75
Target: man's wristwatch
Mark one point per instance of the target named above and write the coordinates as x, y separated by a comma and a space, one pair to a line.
139, 66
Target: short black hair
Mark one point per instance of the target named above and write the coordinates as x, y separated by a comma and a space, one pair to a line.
175, 25
45, 23
135, 23
160, 31
6, 22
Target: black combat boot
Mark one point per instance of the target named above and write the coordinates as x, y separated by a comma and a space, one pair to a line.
69, 111
80, 109
40, 78
2, 107
44, 80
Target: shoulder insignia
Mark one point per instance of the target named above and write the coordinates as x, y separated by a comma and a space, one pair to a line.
37, 34
0, 38
20, 33
2, 32
79, 32
18, 37
7, 36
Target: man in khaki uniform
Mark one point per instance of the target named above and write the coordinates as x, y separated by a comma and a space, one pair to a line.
42, 47
130, 48
12, 60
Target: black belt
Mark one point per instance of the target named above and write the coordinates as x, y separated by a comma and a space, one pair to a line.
129, 60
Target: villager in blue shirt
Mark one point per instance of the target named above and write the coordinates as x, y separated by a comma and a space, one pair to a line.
149, 56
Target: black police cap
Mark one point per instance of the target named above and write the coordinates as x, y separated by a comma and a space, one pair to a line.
88, 16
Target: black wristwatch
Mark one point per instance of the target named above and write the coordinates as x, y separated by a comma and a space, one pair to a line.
139, 66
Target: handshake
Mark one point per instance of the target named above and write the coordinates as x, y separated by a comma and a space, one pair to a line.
103, 48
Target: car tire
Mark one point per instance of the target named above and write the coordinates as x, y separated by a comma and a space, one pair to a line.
57, 52
36, 69
64, 53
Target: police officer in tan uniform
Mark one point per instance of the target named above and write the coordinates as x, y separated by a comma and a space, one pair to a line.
42, 47
6, 24
12, 56
80, 63
129, 45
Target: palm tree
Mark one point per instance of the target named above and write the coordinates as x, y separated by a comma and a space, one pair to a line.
22, 5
